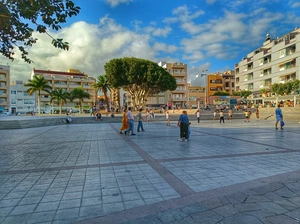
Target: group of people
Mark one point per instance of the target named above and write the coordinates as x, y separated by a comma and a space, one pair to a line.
128, 122
183, 121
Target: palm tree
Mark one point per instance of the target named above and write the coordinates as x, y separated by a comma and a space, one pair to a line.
60, 96
103, 85
80, 94
38, 84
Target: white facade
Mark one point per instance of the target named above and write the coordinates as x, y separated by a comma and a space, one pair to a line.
20, 100
277, 61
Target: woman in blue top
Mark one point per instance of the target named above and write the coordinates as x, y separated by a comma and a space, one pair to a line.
279, 117
183, 123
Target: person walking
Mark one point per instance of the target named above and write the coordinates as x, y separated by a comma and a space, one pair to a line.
183, 123
125, 124
148, 115
93, 111
168, 117
215, 114
257, 113
221, 113
230, 115
140, 121
279, 117
247, 115
130, 121
198, 115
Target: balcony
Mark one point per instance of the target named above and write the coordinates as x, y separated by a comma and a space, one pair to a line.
178, 98
179, 91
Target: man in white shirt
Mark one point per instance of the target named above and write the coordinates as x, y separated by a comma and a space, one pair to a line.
130, 117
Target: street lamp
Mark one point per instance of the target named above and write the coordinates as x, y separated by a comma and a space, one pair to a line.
203, 73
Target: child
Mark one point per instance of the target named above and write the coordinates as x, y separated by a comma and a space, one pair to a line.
168, 118
221, 116
215, 114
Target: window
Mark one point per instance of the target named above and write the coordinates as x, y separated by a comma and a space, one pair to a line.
20, 101
28, 101
282, 53
25, 93
13, 92
13, 101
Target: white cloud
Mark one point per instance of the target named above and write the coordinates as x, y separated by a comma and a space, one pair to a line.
164, 47
194, 56
158, 32
114, 3
296, 5
183, 15
91, 46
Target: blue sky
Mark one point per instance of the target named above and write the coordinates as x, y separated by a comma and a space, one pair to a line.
208, 35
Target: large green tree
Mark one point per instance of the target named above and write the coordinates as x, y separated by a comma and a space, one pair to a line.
38, 84
285, 88
140, 77
103, 85
20, 18
80, 94
242, 93
60, 96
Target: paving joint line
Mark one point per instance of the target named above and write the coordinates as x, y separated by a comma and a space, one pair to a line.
179, 186
70, 167
146, 210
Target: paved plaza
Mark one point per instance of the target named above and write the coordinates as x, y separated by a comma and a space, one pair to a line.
235, 172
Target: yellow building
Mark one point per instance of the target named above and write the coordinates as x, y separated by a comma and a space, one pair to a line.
67, 81
196, 96
4, 88
214, 84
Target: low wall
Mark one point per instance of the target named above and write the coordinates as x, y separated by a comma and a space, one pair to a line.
289, 113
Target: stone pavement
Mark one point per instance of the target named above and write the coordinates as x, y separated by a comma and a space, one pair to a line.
235, 172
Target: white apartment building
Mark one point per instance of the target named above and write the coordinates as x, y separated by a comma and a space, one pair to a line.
20, 100
67, 81
178, 97
276, 61
4, 88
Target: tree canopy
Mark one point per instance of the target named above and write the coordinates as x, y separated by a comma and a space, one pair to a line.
38, 84
242, 93
80, 94
285, 88
16, 15
103, 85
140, 77
221, 93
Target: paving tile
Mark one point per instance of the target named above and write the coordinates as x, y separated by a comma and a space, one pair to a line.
23, 209
66, 214
91, 211
47, 206
10, 202
42, 217
91, 201
74, 203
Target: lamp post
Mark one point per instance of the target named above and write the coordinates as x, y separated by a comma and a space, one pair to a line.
203, 73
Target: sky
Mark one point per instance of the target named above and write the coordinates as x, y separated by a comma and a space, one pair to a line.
207, 35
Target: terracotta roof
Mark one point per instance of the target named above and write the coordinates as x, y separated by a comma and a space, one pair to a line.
58, 73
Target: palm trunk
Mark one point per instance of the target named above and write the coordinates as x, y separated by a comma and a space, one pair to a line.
107, 103
60, 107
39, 103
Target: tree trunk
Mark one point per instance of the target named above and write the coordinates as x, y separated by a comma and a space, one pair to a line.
39, 103
107, 103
